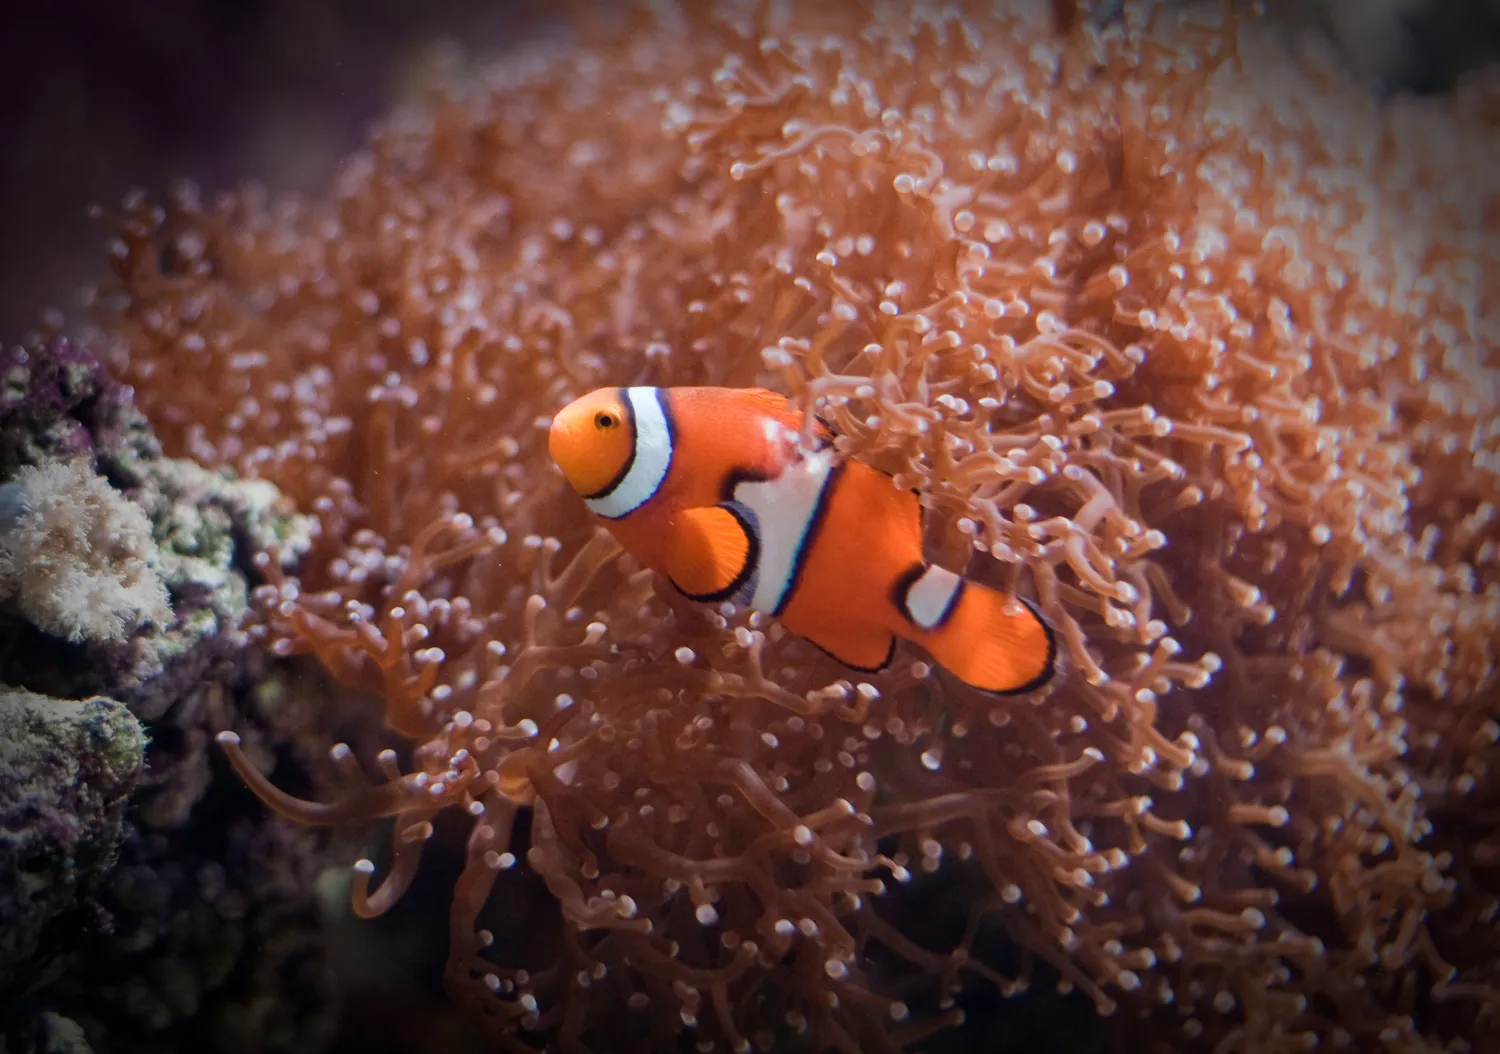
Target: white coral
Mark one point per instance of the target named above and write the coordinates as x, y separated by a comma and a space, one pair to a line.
77, 556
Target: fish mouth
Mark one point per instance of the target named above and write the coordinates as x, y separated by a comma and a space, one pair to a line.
564, 448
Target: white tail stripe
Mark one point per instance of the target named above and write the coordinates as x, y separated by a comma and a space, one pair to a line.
784, 509
930, 597
653, 457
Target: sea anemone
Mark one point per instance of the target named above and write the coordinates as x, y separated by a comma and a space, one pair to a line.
1184, 338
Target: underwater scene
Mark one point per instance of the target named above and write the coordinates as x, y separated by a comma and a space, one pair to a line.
751, 525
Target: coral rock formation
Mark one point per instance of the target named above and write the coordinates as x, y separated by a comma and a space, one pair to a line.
76, 557
67, 770
204, 933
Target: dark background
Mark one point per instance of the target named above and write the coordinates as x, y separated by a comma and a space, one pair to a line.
99, 96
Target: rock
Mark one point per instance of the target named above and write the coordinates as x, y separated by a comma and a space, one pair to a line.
187, 920
67, 770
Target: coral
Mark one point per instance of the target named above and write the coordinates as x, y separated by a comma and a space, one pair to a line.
1180, 335
215, 939
77, 559
181, 524
205, 934
216, 943
206, 524
45, 1033
12, 506
58, 402
67, 770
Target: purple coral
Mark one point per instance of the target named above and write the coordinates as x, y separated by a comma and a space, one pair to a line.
59, 401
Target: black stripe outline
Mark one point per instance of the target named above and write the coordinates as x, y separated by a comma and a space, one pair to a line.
671, 424
901, 593
902, 586
908, 578
952, 605
734, 477
746, 518
810, 531
619, 477
670, 420
1048, 668
890, 653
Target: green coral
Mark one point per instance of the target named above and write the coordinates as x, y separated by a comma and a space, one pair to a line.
67, 770
203, 527
188, 914
43, 1033
206, 523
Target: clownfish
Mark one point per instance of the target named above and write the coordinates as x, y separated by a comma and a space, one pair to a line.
712, 488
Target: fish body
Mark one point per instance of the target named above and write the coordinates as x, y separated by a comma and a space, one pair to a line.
712, 488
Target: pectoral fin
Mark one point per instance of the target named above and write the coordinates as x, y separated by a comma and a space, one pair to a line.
713, 553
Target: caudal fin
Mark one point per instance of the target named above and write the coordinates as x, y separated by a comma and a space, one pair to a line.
986, 639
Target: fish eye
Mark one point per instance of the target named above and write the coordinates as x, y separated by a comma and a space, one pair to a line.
604, 420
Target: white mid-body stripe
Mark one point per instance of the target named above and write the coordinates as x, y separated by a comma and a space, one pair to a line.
653, 457
784, 508
930, 595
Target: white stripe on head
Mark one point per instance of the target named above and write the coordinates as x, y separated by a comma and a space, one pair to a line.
930, 596
785, 509
652, 458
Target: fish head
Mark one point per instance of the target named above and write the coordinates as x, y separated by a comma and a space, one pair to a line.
593, 439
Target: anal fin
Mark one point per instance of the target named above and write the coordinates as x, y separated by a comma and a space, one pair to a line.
713, 553
865, 648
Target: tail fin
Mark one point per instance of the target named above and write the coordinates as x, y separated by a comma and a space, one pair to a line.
986, 639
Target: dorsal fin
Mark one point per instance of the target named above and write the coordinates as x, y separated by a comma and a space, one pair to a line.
780, 406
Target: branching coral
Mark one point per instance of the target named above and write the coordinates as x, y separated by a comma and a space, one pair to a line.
77, 556
1190, 339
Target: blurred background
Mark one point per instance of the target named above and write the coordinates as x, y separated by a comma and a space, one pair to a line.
99, 96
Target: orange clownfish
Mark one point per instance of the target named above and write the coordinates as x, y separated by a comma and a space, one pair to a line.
710, 487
